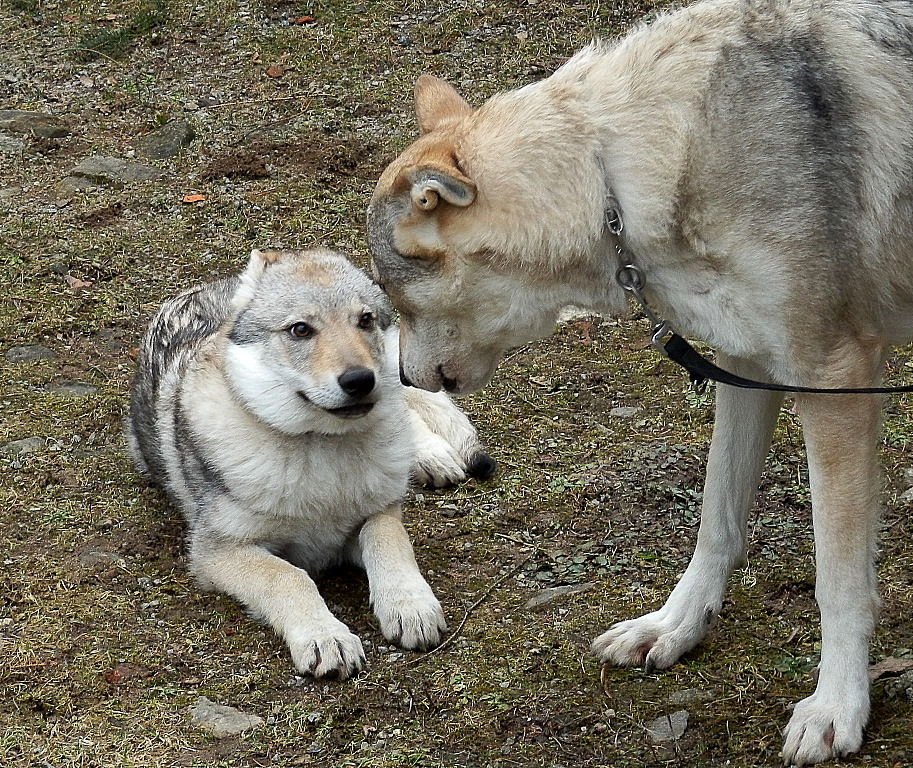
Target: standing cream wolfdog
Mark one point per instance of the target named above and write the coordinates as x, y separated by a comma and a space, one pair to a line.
760, 157
269, 408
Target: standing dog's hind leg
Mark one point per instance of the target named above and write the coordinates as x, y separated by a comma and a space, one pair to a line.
741, 436
841, 433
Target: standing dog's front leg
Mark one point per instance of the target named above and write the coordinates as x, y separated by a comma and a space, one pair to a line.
409, 613
841, 433
741, 437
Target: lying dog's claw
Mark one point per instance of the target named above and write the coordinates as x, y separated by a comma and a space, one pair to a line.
481, 466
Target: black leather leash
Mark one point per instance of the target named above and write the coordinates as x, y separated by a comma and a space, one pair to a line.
679, 351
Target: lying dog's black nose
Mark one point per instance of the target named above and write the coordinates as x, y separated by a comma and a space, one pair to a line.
357, 382
404, 380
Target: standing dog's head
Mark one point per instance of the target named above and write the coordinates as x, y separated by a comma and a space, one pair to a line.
474, 228
306, 344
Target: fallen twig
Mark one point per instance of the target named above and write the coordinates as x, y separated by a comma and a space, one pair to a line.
484, 596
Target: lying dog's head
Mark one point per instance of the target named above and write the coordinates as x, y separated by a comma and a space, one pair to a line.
306, 344
474, 229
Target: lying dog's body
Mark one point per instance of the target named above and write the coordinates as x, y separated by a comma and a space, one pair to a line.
269, 408
761, 155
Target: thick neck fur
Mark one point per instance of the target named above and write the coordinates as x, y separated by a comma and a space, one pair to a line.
547, 156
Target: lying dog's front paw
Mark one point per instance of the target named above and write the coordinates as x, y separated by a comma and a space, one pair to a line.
326, 649
481, 466
412, 617
820, 731
437, 464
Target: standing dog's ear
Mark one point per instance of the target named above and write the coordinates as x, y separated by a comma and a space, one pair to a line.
436, 102
430, 183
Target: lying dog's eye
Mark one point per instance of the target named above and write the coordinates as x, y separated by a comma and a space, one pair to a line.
301, 331
366, 321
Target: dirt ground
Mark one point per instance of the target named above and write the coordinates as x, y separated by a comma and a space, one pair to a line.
286, 112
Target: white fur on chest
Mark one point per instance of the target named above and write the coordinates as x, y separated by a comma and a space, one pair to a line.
306, 492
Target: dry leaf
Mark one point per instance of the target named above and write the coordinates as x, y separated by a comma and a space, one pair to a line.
76, 283
275, 70
193, 198
889, 667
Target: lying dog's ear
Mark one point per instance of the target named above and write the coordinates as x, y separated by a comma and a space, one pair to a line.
436, 102
430, 183
256, 265
383, 310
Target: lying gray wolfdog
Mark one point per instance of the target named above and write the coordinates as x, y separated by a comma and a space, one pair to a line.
269, 407
754, 161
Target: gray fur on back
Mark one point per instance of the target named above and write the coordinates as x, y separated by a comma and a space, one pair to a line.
176, 331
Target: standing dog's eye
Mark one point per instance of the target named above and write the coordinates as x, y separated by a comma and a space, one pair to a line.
366, 321
301, 331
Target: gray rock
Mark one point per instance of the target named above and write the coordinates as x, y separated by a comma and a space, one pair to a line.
900, 687
111, 170
625, 412
29, 354
908, 477
70, 389
25, 445
94, 556
11, 146
33, 123
221, 721
689, 696
668, 727
547, 597
167, 141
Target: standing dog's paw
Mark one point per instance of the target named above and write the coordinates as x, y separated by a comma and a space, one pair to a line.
819, 731
411, 616
326, 649
656, 640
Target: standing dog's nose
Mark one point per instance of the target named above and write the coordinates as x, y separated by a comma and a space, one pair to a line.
357, 382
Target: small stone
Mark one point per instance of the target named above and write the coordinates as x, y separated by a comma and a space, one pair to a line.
689, 696
625, 412
900, 687
221, 721
29, 354
908, 477
571, 313
546, 597
25, 445
11, 146
33, 123
668, 727
166, 142
70, 389
112, 170
94, 556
